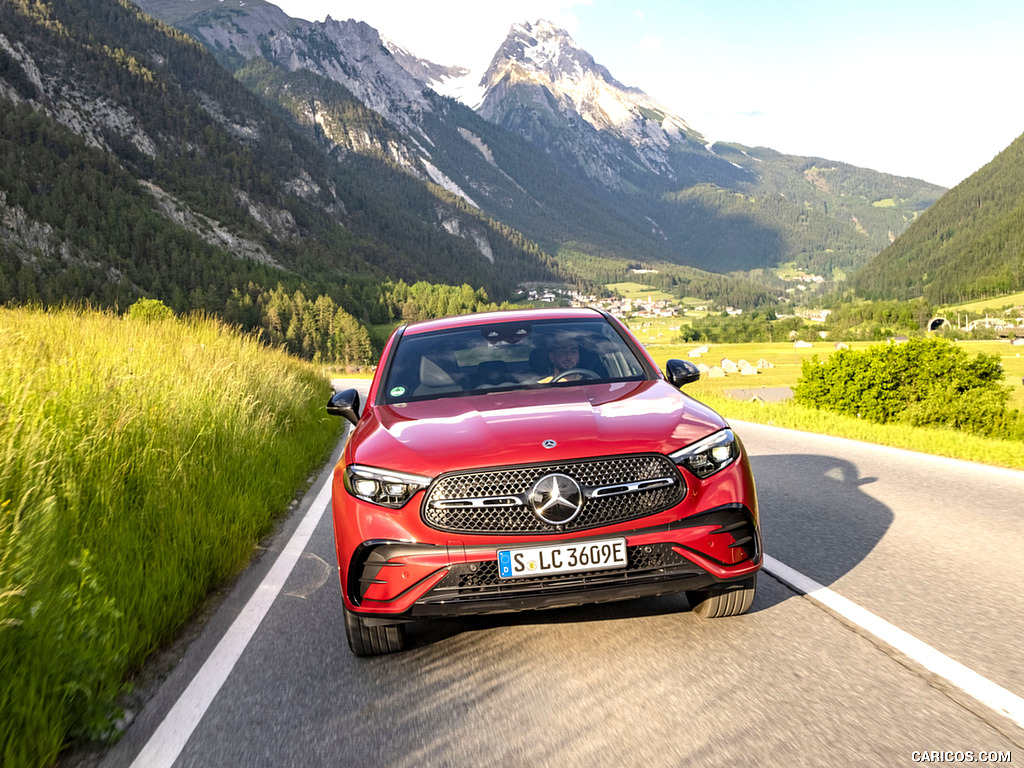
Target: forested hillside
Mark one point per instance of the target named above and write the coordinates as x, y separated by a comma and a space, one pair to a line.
546, 160
132, 164
832, 216
969, 245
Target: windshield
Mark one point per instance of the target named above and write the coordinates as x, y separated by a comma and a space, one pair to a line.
508, 356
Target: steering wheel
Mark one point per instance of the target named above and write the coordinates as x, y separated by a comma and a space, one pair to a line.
583, 373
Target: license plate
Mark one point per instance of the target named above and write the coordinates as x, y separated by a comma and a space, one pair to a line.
562, 558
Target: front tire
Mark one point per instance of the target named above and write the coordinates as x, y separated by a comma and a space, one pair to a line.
726, 600
372, 639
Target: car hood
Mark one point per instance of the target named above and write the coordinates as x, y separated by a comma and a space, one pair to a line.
501, 428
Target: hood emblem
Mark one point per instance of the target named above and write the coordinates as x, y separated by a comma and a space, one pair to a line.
549, 443
556, 499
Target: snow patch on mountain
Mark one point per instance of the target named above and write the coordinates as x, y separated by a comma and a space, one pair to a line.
465, 87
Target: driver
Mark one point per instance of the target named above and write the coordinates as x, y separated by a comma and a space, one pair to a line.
564, 355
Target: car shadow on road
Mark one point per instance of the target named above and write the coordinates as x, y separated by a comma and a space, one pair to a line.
816, 514
428, 631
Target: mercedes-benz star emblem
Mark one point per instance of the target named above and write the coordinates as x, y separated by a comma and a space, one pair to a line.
556, 499
549, 443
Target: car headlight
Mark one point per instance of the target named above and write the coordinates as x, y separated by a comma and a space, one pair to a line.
707, 456
383, 486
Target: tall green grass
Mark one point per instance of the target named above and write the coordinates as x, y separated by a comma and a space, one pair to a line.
139, 464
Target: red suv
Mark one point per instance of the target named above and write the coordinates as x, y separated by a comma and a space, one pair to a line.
508, 461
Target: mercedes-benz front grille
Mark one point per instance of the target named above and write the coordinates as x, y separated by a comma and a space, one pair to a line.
498, 500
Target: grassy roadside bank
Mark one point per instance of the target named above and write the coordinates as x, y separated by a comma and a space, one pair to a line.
139, 464
939, 442
788, 361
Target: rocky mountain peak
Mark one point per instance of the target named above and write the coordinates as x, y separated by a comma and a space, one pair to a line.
424, 70
549, 52
540, 69
349, 52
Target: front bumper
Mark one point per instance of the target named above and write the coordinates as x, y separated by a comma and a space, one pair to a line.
398, 580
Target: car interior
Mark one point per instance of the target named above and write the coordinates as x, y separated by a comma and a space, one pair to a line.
507, 356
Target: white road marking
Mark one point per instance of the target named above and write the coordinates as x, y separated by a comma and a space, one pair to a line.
170, 737
970, 682
846, 443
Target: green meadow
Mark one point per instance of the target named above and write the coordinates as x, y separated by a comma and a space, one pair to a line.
639, 291
140, 463
788, 362
987, 305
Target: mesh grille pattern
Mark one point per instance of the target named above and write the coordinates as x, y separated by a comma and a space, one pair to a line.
516, 482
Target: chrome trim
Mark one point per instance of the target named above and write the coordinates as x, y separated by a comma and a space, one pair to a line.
541, 500
603, 492
482, 503
620, 488
496, 500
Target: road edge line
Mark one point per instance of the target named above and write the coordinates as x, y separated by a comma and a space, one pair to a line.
174, 731
976, 686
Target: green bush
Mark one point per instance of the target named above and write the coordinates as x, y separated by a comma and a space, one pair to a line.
922, 382
150, 310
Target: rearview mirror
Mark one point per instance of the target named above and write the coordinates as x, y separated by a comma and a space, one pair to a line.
680, 372
345, 404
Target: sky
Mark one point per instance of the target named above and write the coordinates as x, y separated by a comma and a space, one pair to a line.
921, 89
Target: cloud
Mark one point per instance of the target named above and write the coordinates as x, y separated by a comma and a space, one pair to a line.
652, 43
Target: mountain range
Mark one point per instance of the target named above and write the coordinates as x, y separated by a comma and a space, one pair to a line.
323, 153
656, 189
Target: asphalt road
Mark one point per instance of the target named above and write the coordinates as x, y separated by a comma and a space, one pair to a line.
931, 546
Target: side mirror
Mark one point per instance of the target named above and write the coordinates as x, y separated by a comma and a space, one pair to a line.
680, 372
345, 404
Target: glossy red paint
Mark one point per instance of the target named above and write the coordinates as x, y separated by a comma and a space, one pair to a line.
499, 428
392, 563
357, 521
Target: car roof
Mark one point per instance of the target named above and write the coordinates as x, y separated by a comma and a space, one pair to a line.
504, 316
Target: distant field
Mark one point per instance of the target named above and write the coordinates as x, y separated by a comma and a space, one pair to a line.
657, 331
1013, 300
788, 271
639, 291
788, 362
